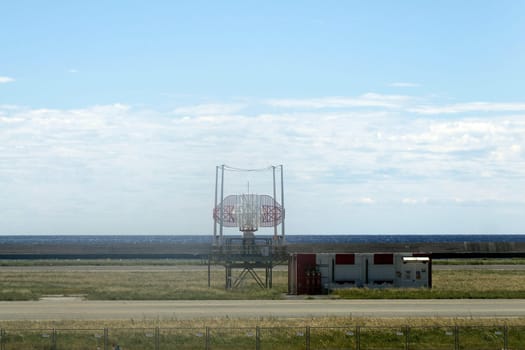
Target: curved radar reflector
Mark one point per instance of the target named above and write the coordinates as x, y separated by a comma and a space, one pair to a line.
248, 211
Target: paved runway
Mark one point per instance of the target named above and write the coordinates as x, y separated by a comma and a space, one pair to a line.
76, 309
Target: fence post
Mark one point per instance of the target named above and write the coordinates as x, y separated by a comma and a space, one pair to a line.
106, 340
54, 339
407, 337
357, 338
307, 337
456, 338
257, 338
207, 345
505, 337
157, 338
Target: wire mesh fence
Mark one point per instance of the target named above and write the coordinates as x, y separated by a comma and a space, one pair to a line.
259, 338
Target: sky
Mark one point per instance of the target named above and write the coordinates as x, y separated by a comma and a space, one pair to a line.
387, 116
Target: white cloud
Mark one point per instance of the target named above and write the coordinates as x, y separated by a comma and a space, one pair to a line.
10, 107
366, 100
468, 107
404, 84
209, 109
72, 70
365, 200
414, 201
155, 172
4, 80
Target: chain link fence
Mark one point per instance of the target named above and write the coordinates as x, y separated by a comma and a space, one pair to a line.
258, 338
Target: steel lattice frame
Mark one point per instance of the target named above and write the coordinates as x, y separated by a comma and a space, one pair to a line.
248, 212
226, 208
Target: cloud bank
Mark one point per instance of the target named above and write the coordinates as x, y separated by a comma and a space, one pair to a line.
371, 163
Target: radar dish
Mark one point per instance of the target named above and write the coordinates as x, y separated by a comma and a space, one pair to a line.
248, 212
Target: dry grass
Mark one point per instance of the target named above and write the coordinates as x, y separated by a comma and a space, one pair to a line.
268, 322
277, 333
481, 261
318, 333
187, 283
131, 285
454, 284
479, 280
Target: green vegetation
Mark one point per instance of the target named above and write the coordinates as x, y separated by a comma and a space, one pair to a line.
270, 333
173, 284
179, 280
452, 284
486, 261
103, 262
188, 280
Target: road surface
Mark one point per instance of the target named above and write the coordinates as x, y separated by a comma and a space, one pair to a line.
77, 309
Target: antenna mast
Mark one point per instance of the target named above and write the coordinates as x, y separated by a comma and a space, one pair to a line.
248, 212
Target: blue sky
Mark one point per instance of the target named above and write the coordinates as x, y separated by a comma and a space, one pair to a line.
395, 117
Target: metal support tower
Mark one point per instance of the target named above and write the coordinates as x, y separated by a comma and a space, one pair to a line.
248, 212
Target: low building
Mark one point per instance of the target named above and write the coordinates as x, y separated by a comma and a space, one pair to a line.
317, 273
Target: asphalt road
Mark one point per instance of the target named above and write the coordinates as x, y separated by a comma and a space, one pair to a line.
76, 309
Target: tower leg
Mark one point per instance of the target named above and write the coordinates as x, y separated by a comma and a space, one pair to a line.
228, 274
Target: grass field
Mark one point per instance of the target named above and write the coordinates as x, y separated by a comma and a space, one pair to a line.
486, 261
453, 284
175, 284
270, 333
183, 283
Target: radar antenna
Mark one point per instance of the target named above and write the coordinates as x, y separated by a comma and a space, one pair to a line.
248, 212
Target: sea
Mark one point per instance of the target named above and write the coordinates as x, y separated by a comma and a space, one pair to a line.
301, 238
